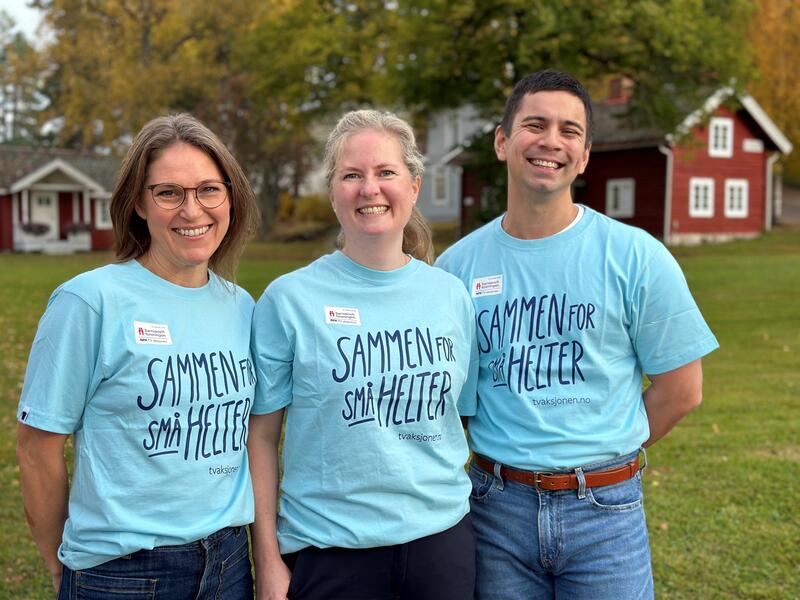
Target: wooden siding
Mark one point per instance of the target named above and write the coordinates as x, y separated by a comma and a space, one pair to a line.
102, 239
6, 224
647, 166
64, 213
692, 160
471, 185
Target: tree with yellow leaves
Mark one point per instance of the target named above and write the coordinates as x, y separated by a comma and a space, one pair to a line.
775, 36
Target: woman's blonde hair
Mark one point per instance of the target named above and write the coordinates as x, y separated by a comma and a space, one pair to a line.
417, 239
131, 236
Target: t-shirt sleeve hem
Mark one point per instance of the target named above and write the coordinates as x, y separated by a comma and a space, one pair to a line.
265, 408
45, 423
699, 350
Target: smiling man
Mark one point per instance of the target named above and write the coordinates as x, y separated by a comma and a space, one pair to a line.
572, 308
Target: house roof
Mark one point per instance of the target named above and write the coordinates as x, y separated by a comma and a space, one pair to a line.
612, 132
18, 163
752, 107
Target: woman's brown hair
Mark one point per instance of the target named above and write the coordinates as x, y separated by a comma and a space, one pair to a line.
132, 238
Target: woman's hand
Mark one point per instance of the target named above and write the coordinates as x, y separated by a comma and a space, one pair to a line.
272, 574
56, 575
43, 472
272, 581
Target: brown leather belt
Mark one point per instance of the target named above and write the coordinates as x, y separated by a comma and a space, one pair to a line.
565, 481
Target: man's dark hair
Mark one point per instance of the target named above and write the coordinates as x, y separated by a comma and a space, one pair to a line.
548, 80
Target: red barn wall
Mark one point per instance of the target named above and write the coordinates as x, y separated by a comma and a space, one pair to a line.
64, 213
647, 166
6, 224
102, 239
471, 185
692, 160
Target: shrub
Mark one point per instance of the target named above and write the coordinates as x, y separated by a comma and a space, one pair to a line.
35, 228
285, 210
314, 208
297, 231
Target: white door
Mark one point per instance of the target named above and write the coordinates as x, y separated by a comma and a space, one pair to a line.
44, 209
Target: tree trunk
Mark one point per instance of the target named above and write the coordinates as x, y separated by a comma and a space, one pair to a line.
268, 204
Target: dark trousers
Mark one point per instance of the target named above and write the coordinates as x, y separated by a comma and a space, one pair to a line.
436, 567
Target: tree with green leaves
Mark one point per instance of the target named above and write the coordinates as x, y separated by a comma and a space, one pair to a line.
304, 62
450, 52
447, 53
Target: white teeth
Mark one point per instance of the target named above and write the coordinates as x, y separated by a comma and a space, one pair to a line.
193, 232
543, 163
373, 210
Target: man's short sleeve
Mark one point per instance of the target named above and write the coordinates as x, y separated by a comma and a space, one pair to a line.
667, 329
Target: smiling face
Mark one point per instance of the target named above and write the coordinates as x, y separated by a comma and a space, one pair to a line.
372, 191
182, 240
546, 148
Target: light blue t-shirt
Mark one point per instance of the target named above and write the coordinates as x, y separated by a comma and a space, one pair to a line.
373, 368
156, 383
566, 326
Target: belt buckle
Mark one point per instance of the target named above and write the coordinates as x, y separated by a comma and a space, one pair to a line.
537, 477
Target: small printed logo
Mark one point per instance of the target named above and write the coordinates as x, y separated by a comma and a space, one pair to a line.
224, 470
337, 315
487, 286
23, 414
152, 333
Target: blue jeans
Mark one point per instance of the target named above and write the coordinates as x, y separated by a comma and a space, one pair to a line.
217, 566
573, 544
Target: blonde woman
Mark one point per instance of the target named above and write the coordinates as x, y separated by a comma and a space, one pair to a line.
370, 355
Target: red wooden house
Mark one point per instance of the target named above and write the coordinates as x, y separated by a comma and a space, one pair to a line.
710, 180
54, 201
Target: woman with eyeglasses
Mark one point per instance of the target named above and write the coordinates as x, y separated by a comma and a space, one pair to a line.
370, 354
146, 364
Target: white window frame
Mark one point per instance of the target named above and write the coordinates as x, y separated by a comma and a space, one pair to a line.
455, 128
731, 187
439, 193
102, 215
720, 137
696, 184
625, 188
451, 129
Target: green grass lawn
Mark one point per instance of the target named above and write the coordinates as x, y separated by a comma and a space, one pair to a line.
722, 490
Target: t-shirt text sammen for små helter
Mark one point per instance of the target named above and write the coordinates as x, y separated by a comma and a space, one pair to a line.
156, 383
373, 374
566, 327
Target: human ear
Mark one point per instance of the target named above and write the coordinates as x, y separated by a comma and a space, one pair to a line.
585, 158
500, 143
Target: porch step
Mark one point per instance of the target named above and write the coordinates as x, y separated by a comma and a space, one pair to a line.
57, 247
